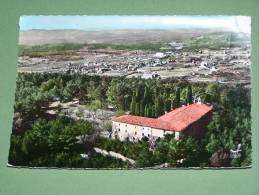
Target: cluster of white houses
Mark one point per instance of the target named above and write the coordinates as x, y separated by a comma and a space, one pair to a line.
190, 120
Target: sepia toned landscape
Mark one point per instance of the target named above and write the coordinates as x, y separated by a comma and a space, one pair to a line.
156, 96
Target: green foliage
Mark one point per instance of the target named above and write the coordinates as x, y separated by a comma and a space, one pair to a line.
141, 108
167, 106
133, 105
189, 95
159, 106
48, 49
49, 141
108, 126
142, 46
94, 105
117, 94
137, 109
231, 124
177, 100
119, 112
216, 40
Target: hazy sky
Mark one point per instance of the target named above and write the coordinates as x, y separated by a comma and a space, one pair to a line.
96, 23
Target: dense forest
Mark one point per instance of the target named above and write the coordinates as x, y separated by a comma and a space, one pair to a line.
40, 139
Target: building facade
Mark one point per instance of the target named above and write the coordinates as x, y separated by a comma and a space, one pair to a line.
191, 120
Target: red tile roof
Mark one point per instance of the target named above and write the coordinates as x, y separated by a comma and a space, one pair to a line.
176, 120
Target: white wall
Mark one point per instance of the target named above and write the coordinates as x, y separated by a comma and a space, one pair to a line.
136, 132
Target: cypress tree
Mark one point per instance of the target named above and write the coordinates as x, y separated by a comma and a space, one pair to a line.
141, 108
149, 110
137, 109
146, 111
146, 96
159, 106
207, 98
167, 105
177, 97
133, 105
167, 91
153, 111
139, 93
189, 95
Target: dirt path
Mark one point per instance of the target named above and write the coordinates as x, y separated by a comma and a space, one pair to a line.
114, 155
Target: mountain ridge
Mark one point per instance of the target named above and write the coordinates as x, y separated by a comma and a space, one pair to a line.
41, 37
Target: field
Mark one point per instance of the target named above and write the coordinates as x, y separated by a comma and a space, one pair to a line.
226, 56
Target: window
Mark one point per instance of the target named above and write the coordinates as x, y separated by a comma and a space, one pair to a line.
135, 132
119, 129
125, 130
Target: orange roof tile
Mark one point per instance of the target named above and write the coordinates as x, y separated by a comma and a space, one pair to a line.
176, 120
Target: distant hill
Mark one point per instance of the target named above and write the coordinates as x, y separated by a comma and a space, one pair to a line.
40, 37
217, 40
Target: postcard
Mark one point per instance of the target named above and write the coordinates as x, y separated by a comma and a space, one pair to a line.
129, 92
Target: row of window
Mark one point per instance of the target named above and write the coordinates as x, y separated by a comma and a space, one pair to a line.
135, 133
127, 125
164, 132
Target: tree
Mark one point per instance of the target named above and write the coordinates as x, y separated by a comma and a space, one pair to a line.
133, 105
92, 91
178, 97
146, 110
146, 96
94, 106
189, 95
116, 93
139, 92
167, 105
213, 145
145, 156
149, 113
207, 98
75, 89
159, 106
51, 142
153, 109
142, 108
137, 109
42, 144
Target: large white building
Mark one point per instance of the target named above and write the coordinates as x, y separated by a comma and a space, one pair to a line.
191, 120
